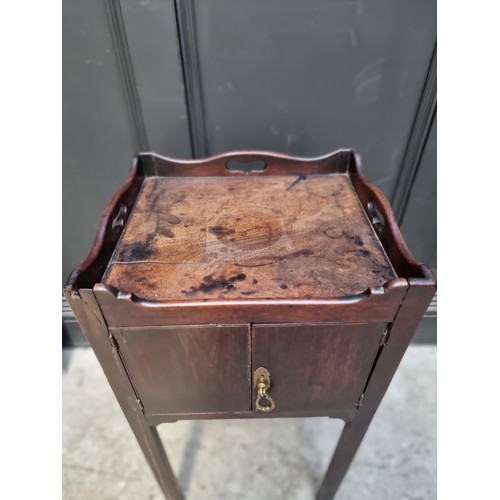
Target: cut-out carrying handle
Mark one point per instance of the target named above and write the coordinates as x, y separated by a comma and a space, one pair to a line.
246, 164
256, 163
264, 162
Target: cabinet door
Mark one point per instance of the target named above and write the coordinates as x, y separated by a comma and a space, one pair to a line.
188, 369
316, 367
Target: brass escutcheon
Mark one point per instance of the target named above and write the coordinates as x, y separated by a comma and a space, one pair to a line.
262, 383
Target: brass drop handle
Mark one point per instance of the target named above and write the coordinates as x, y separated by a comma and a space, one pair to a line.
262, 383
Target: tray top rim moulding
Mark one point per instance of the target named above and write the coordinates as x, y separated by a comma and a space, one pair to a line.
195, 231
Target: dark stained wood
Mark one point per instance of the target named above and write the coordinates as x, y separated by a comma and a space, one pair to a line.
383, 219
415, 304
146, 165
301, 241
153, 449
317, 367
377, 305
188, 369
347, 446
117, 211
345, 415
218, 238
275, 164
94, 326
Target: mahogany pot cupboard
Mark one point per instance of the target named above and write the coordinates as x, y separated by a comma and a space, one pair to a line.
249, 285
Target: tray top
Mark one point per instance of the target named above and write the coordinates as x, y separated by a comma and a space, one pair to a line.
247, 237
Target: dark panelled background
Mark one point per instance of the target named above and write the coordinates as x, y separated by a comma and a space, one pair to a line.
192, 78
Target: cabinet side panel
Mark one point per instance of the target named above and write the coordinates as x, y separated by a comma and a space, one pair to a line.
94, 326
405, 323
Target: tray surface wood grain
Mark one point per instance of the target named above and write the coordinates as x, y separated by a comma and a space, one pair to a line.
253, 237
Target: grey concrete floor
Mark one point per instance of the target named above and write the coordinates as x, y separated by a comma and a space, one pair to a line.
277, 459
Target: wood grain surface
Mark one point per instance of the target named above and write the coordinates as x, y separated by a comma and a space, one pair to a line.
316, 367
198, 238
375, 306
188, 369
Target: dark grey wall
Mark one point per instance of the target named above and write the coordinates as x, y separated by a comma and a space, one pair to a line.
191, 77
98, 137
122, 92
419, 219
419, 225
307, 78
151, 31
